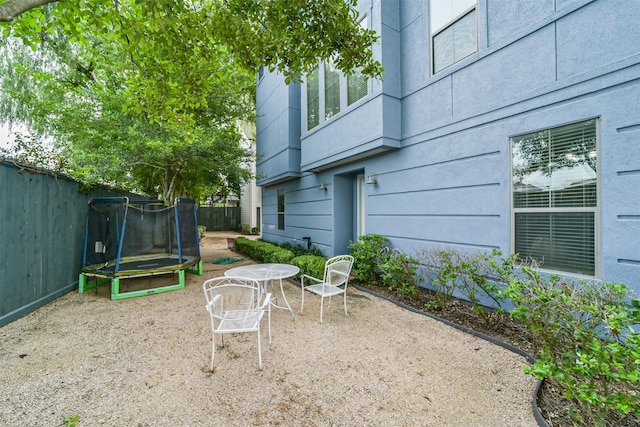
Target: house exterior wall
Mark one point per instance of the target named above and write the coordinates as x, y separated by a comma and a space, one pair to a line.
278, 122
439, 145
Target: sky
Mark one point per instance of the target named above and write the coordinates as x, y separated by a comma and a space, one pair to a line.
4, 136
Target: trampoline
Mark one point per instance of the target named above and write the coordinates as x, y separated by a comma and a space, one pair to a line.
129, 239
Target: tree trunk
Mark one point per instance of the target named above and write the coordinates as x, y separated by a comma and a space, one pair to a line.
11, 9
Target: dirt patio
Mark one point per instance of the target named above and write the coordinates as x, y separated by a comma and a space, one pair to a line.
144, 362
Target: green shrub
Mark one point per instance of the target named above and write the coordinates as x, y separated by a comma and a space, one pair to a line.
263, 251
399, 273
442, 273
587, 339
201, 230
369, 252
475, 276
301, 249
310, 264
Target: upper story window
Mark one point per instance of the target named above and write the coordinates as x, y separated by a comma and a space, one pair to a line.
555, 201
330, 91
313, 99
454, 34
357, 87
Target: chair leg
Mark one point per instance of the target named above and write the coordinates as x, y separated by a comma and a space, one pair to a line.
259, 350
302, 303
213, 351
269, 320
345, 303
321, 306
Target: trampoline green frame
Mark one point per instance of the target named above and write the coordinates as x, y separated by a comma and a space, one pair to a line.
85, 285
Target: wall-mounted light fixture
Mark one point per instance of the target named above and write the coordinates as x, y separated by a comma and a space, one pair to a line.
323, 187
372, 179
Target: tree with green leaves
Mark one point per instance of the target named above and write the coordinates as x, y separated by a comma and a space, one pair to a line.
148, 94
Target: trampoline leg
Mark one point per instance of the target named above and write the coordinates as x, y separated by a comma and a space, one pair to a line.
181, 281
115, 288
199, 273
82, 283
198, 270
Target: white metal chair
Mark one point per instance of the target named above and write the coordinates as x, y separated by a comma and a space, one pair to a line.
334, 282
236, 305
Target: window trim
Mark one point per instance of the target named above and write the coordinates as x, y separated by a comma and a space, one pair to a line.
597, 209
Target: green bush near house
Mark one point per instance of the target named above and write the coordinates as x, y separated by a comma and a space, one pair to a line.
369, 252
262, 251
586, 333
588, 341
299, 249
311, 265
399, 273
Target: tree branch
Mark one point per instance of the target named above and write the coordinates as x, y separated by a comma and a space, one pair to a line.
11, 9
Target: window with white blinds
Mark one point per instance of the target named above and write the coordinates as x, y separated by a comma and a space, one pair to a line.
454, 34
554, 185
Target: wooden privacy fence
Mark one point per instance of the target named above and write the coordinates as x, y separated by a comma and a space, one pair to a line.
219, 219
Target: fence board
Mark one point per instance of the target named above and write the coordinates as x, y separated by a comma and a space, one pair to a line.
42, 222
219, 219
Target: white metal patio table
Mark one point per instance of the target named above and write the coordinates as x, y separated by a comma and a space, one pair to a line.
265, 273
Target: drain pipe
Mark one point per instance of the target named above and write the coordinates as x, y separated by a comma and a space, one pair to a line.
308, 239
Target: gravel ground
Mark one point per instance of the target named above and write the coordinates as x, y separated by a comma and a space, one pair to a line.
144, 362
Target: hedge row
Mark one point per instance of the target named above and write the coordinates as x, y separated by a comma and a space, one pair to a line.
269, 253
263, 251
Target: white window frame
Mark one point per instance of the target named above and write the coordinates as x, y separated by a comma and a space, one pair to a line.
596, 210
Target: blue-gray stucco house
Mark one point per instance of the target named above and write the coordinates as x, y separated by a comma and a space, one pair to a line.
508, 124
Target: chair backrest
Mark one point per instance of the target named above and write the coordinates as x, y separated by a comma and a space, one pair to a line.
225, 294
338, 269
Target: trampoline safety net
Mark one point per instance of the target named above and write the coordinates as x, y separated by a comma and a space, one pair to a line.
126, 238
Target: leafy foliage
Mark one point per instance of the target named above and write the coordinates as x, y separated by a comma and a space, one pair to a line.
588, 341
147, 95
311, 265
369, 252
263, 251
478, 277
298, 249
399, 273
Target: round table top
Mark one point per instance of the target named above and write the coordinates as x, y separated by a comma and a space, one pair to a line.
263, 271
